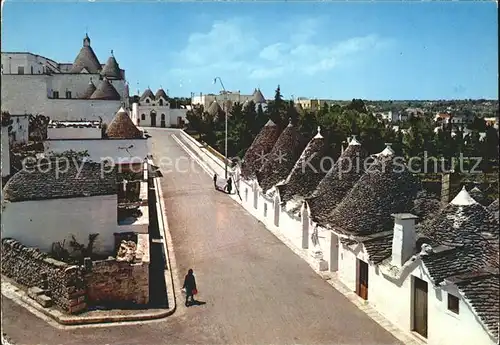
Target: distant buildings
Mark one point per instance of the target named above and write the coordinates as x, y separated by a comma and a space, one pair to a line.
154, 110
84, 89
225, 100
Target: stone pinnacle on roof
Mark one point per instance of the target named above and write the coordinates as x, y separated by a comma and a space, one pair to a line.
463, 198
111, 69
270, 123
106, 91
354, 141
319, 136
122, 127
388, 151
290, 122
86, 59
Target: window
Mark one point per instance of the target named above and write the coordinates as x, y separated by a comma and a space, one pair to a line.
163, 117
147, 100
160, 102
265, 210
143, 117
453, 303
55, 94
68, 94
20, 70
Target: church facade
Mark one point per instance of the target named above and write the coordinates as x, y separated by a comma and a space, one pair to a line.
154, 110
82, 90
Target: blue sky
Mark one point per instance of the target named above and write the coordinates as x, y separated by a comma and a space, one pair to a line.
337, 50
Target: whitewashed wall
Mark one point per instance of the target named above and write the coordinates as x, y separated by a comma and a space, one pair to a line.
74, 133
5, 152
101, 148
170, 115
28, 94
40, 223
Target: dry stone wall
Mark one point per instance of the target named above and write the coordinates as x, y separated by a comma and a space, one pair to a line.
30, 267
110, 281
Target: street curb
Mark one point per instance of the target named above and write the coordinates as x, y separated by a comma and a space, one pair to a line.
20, 297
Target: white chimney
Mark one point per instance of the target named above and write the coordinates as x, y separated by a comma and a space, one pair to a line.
404, 240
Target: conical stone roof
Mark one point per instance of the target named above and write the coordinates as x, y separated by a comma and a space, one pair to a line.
86, 58
111, 69
494, 208
122, 127
338, 181
386, 187
307, 172
258, 97
282, 158
261, 146
214, 109
106, 91
478, 195
161, 94
147, 93
89, 91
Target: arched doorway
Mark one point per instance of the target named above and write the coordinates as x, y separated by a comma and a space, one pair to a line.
153, 118
162, 120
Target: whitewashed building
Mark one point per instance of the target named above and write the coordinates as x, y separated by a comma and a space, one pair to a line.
154, 110
226, 99
5, 151
431, 269
122, 142
82, 90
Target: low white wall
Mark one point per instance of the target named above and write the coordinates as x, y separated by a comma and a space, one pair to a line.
43, 222
99, 149
74, 133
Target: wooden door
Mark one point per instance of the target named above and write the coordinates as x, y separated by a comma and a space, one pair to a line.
153, 119
362, 279
420, 306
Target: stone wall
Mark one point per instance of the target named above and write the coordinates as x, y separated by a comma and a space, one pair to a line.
110, 281
28, 266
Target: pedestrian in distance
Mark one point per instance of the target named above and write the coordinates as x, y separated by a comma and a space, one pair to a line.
229, 185
215, 181
190, 287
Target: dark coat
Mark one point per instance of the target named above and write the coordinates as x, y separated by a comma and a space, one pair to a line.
189, 284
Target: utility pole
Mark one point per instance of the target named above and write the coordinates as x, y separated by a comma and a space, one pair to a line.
225, 116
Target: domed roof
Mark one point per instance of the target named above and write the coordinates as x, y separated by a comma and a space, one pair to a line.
86, 58
161, 94
214, 108
122, 127
111, 69
105, 91
147, 93
89, 91
262, 144
282, 158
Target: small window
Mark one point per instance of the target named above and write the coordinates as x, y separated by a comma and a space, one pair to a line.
246, 194
143, 117
17, 120
160, 102
55, 94
453, 303
20, 70
265, 210
147, 100
68, 94
163, 117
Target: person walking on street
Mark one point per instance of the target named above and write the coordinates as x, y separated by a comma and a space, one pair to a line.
190, 287
229, 185
215, 181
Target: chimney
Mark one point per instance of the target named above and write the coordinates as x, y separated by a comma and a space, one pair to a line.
403, 242
445, 187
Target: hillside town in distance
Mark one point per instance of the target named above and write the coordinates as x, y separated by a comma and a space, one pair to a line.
132, 216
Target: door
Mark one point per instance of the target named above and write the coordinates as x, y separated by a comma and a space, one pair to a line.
162, 121
276, 212
179, 121
153, 119
362, 279
305, 228
420, 306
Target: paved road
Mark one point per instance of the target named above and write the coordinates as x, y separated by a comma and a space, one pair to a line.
256, 290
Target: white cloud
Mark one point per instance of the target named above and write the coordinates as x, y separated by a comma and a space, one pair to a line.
240, 46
